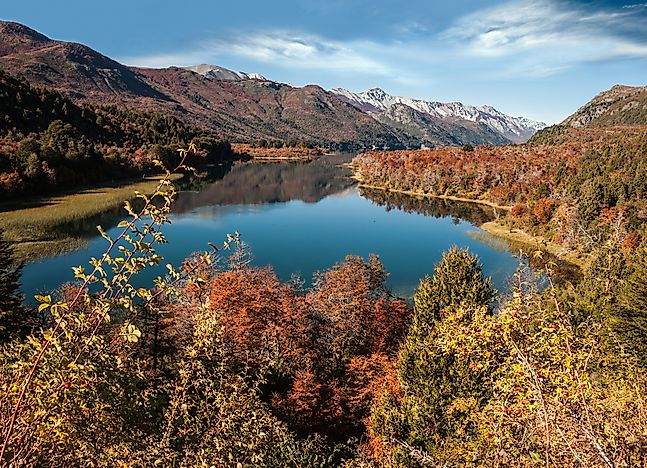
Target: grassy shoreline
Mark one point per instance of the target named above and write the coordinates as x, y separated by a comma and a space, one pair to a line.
521, 237
37, 226
271, 154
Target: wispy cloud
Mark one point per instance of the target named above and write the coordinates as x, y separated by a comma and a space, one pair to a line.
304, 51
517, 41
163, 60
285, 49
546, 36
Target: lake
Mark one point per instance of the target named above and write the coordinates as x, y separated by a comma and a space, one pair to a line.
302, 218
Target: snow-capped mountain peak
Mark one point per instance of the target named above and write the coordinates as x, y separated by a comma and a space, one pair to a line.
220, 73
376, 100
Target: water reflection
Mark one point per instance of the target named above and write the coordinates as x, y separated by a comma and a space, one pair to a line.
301, 218
475, 214
259, 183
435, 207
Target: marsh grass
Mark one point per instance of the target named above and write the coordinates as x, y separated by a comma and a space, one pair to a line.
40, 227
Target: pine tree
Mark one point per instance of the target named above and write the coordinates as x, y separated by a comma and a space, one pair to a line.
632, 320
458, 279
12, 314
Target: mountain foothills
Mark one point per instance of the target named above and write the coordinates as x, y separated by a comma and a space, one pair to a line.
621, 105
622, 109
246, 107
47, 142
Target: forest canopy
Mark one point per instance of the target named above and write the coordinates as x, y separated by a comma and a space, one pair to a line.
47, 142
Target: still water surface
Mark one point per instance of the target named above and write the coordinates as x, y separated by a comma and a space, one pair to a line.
301, 218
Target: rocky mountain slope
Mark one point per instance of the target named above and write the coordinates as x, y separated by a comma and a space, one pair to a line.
616, 113
247, 110
621, 105
434, 131
74, 68
241, 110
245, 106
514, 129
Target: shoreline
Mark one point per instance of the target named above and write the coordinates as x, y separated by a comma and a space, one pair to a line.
283, 158
495, 228
271, 154
427, 195
36, 226
34, 200
516, 235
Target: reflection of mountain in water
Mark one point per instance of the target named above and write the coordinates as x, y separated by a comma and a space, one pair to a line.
257, 183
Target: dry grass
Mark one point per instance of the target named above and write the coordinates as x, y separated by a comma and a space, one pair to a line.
46, 226
518, 237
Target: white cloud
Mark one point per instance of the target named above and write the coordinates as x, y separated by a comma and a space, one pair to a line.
164, 60
514, 40
546, 36
290, 50
302, 51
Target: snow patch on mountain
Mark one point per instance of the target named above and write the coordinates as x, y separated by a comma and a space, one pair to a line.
220, 73
376, 100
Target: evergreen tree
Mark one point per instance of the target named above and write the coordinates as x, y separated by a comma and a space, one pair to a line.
12, 314
432, 374
632, 320
458, 279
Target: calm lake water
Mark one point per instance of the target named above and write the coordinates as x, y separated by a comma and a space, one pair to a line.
305, 217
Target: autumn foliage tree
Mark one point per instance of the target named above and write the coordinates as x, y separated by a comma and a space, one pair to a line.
562, 191
319, 357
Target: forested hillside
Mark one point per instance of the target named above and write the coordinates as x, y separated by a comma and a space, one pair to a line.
471, 380
578, 194
49, 143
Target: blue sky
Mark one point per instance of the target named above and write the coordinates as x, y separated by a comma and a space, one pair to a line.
538, 58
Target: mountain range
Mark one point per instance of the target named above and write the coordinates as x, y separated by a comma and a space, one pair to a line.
377, 101
247, 106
